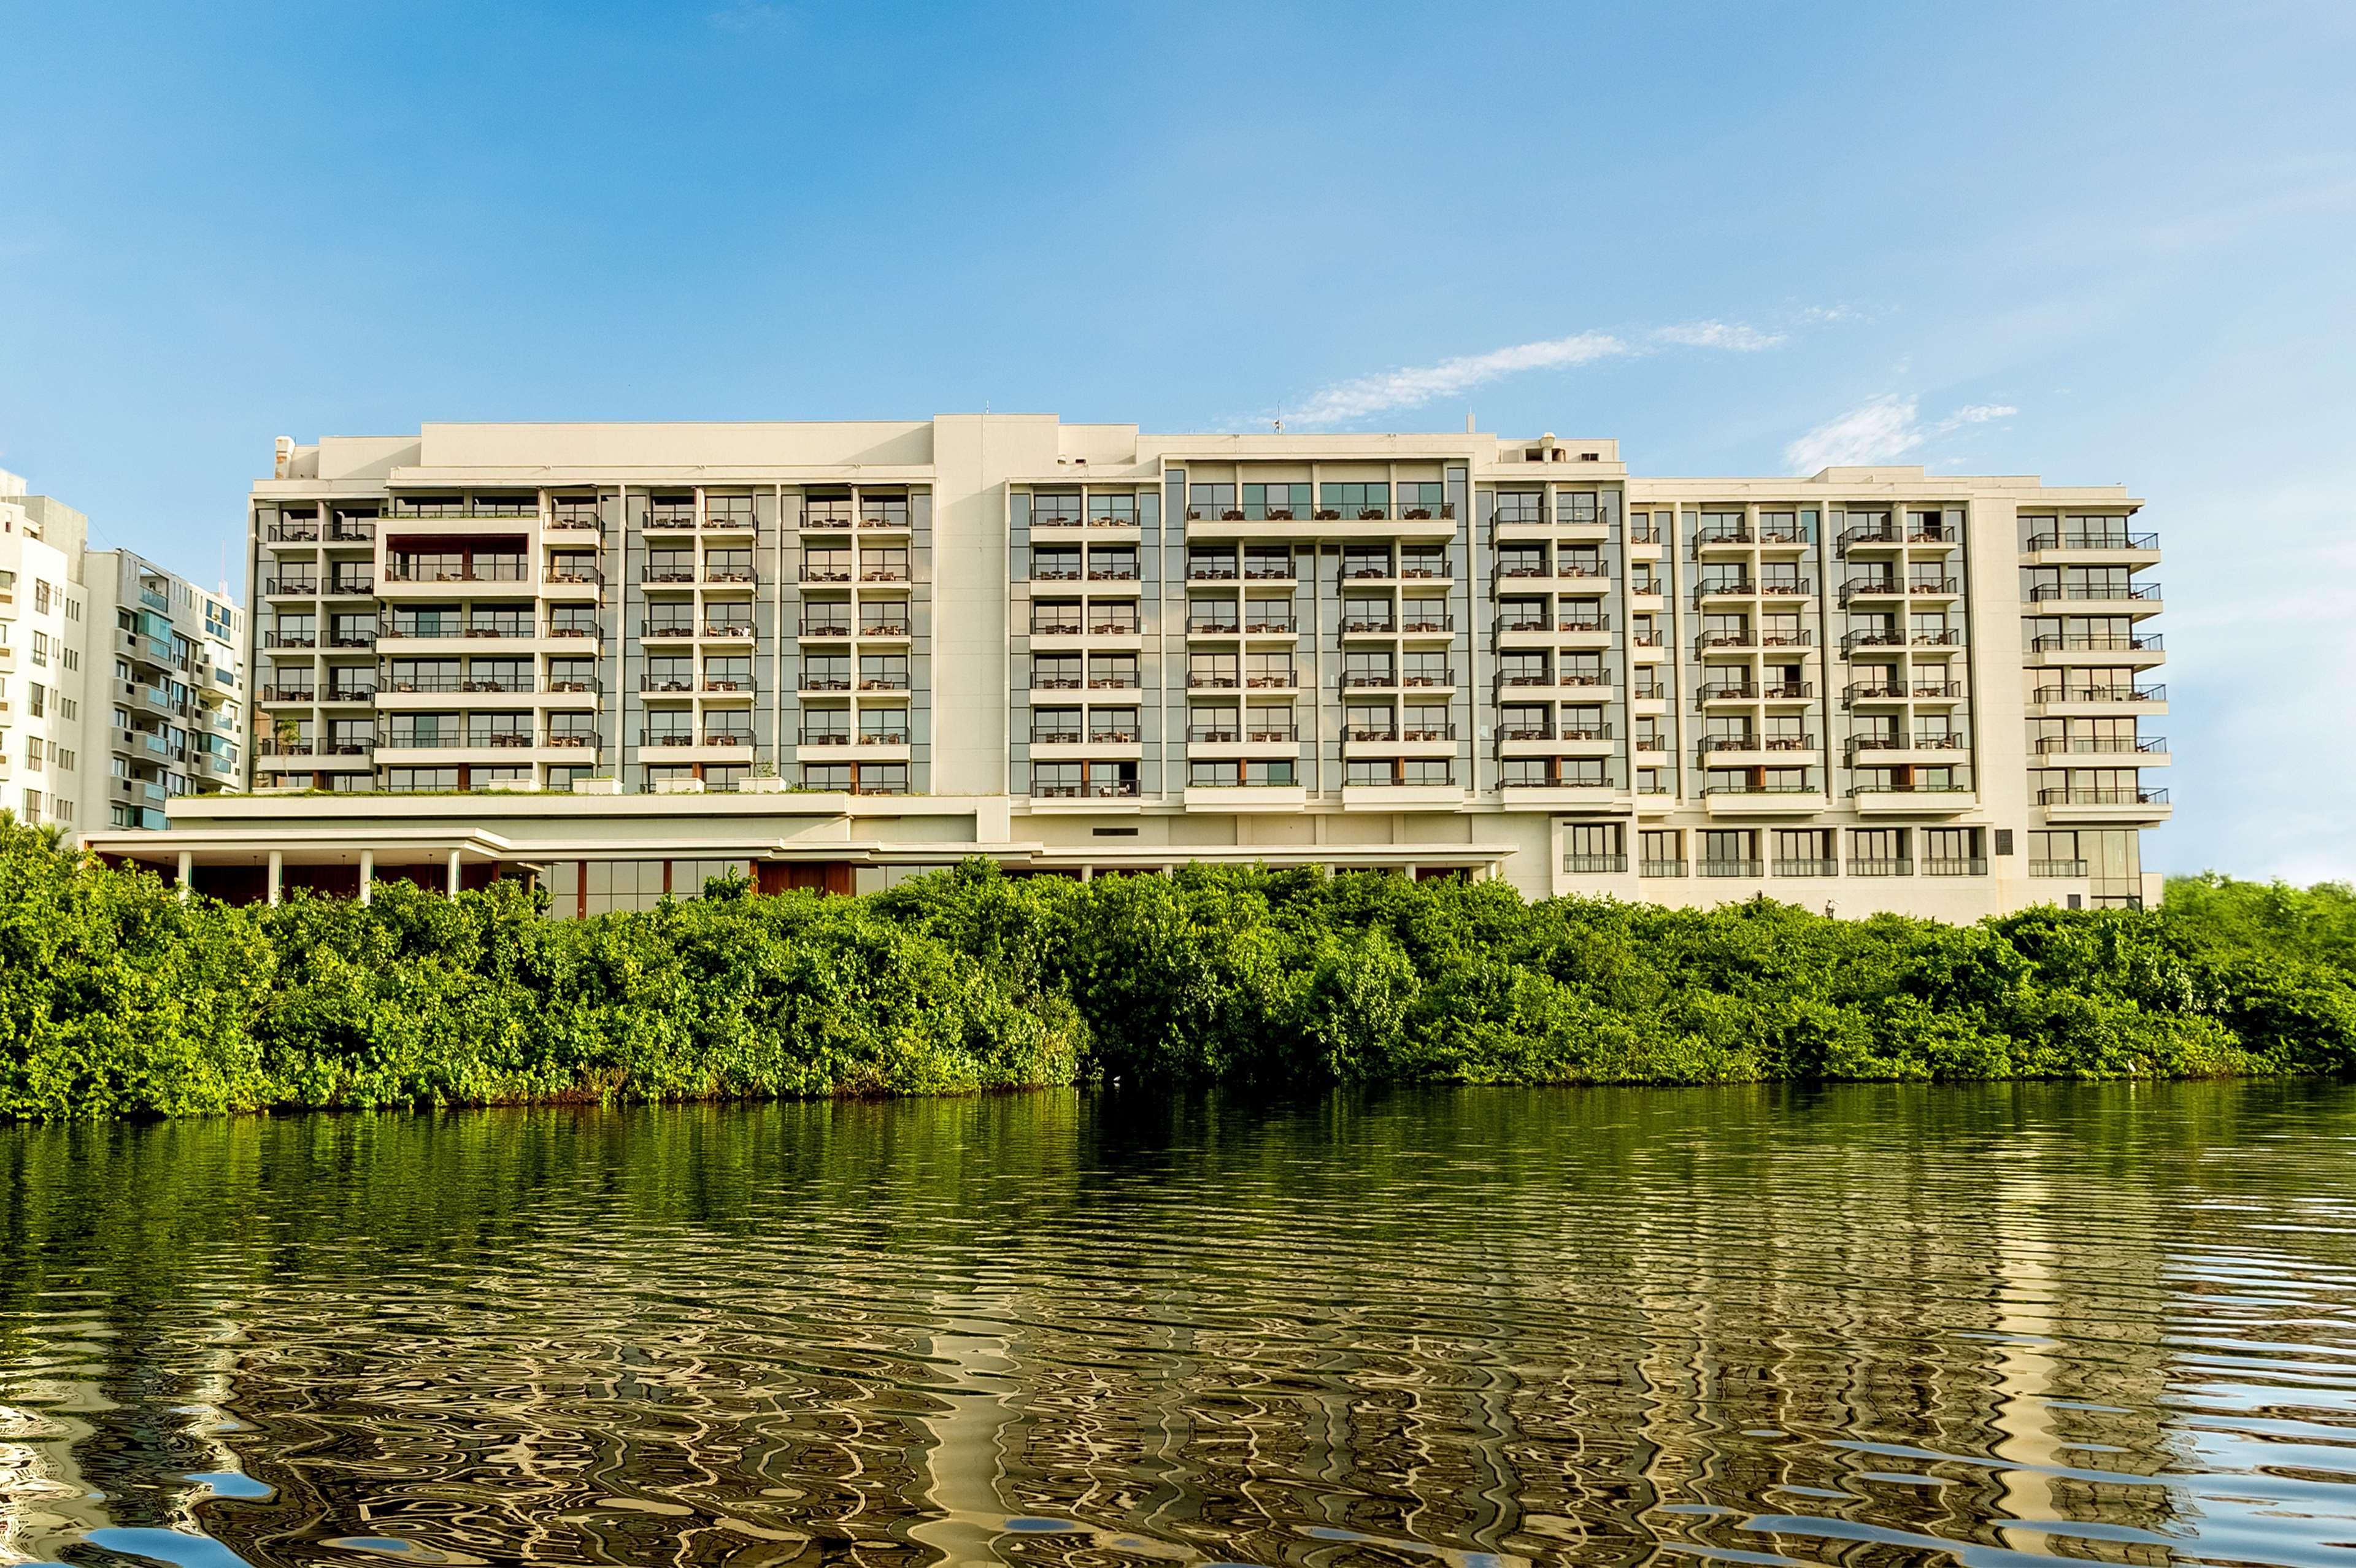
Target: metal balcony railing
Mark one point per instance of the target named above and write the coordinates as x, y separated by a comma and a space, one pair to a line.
2105, 540
1881, 866
498, 569
2080, 745
2102, 797
2047, 592
1728, 867
1714, 743
2099, 694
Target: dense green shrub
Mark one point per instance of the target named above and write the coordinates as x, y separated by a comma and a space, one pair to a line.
118, 998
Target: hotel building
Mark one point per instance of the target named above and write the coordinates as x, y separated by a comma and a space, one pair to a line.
621, 657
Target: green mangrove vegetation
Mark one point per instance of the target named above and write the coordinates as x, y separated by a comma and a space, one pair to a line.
117, 998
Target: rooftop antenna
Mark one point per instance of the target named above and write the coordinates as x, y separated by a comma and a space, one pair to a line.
1280, 426
1468, 422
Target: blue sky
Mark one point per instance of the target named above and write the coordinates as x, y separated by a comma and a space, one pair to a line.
2102, 243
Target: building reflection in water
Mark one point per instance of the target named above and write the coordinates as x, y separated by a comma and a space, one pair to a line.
1463, 1327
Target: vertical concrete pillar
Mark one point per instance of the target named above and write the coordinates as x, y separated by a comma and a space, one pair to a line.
277, 873
368, 877
187, 874
453, 873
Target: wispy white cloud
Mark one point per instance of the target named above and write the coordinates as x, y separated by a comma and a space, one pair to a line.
1880, 430
1406, 389
1718, 335
1361, 397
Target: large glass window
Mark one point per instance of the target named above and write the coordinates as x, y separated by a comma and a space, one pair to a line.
1280, 502
1364, 502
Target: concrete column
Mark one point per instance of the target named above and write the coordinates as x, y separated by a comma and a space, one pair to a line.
453, 873
368, 877
277, 873
187, 874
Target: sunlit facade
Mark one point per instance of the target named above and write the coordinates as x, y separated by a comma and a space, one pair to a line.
619, 656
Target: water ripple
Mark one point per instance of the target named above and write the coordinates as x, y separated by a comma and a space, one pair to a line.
1984, 1326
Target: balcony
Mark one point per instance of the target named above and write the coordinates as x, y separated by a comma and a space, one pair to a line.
1717, 749
1745, 800
1805, 868
825, 631
1871, 800
1660, 868
1954, 867
2141, 751
1889, 588
2105, 545
2136, 599
1900, 691
1746, 691
1730, 868
1881, 866
488, 570
1594, 865
290, 587
1883, 750
1890, 535
2060, 701
2105, 804
2056, 868
2056, 650
291, 533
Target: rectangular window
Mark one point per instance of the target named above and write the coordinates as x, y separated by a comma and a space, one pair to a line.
1520, 507
1593, 848
1364, 502
1952, 852
1282, 503
1878, 852
1205, 502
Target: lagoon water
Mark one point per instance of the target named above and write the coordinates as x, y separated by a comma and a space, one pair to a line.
1873, 1326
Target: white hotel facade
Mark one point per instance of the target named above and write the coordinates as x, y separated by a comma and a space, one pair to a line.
622, 658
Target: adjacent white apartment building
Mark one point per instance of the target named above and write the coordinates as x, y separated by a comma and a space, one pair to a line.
120, 688
621, 657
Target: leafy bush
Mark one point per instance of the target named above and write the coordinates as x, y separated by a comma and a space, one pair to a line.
118, 998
